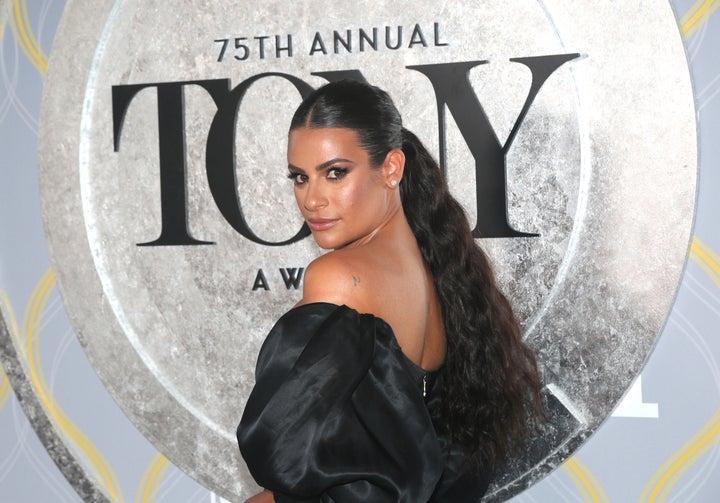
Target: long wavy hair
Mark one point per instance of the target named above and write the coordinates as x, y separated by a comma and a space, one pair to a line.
491, 382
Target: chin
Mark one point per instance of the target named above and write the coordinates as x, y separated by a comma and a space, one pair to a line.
325, 243
331, 244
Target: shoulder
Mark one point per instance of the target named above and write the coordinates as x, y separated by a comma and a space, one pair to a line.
339, 278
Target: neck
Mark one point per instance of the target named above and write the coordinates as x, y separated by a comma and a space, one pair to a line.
393, 223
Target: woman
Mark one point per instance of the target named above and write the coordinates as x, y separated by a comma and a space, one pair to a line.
401, 375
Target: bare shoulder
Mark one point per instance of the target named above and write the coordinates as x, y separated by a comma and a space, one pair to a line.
339, 278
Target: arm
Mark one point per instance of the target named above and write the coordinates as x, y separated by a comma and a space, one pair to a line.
335, 279
308, 428
263, 497
299, 407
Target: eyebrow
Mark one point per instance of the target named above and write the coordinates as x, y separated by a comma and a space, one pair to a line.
322, 166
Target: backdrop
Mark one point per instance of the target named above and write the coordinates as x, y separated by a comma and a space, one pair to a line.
659, 444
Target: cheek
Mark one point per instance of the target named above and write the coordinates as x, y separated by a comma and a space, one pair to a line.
298, 196
366, 191
352, 196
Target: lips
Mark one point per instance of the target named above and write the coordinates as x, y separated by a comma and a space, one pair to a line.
321, 224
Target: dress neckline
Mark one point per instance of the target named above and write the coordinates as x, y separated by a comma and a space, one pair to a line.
382, 322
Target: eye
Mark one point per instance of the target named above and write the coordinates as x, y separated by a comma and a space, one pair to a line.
297, 178
336, 173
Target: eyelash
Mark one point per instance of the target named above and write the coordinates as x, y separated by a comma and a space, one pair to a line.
300, 178
297, 178
339, 173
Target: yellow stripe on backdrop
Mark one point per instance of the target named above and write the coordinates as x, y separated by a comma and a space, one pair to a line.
3, 18
4, 388
585, 481
9, 313
32, 324
697, 15
668, 474
9, 317
20, 24
706, 258
659, 486
150, 483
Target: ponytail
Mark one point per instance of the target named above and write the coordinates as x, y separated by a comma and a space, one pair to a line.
490, 376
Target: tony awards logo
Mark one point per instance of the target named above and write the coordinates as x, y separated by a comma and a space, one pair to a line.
176, 239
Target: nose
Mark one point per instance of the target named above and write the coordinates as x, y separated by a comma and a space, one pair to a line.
314, 198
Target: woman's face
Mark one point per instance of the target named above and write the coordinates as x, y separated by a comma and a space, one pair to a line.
343, 199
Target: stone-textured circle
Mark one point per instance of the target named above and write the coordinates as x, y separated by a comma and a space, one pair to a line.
602, 167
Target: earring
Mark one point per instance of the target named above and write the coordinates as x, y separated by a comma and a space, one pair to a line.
393, 183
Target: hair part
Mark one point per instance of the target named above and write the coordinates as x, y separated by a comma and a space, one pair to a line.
348, 104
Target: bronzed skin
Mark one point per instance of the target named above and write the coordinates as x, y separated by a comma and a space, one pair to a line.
375, 266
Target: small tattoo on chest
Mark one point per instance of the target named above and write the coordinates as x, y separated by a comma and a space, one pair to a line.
356, 280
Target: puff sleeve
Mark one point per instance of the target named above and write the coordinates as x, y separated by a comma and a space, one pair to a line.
335, 416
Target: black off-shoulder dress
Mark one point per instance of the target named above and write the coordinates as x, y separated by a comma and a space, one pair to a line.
339, 414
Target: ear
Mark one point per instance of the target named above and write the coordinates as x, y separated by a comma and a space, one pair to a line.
393, 168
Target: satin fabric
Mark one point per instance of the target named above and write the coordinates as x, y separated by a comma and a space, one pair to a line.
338, 415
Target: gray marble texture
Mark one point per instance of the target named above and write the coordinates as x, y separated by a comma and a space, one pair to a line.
173, 332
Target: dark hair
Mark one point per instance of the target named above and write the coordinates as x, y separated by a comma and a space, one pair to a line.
491, 381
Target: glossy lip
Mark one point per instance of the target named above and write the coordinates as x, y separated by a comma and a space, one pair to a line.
321, 224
